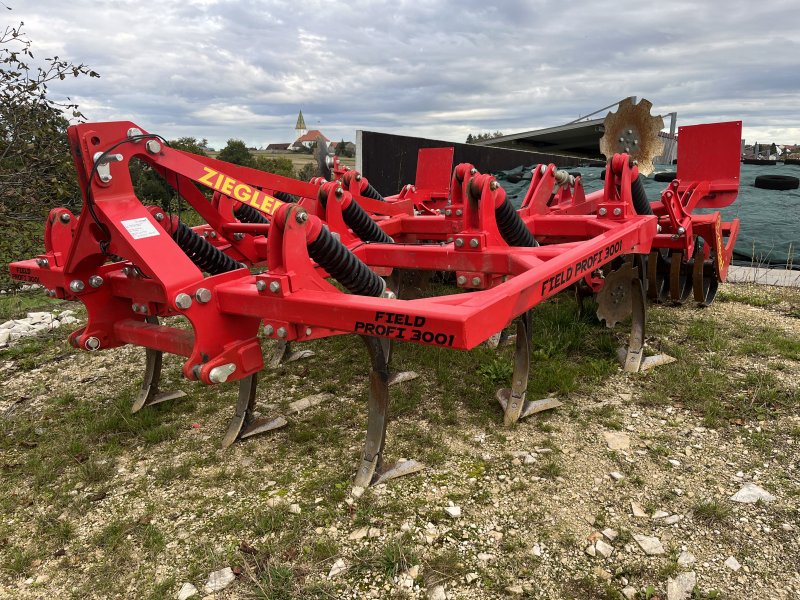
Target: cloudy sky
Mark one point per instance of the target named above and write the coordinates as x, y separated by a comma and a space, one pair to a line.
441, 69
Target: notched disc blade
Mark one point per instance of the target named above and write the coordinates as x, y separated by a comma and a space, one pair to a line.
634, 131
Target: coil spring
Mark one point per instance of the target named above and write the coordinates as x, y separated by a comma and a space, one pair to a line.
371, 192
512, 227
201, 253
364, 227
284, 197
344, 266
248, 214
640, 202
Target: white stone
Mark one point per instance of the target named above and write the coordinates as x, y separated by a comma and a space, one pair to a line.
357, 491
732, 563
5, 336
603, 548
338, 568
617, 476
660, 514
616, 440
672, 519
590, 550
219, 580
485, 557
637, 510
295, 509
187, 591
529, 459
515, 590
437, 593
453, 511
68, 320
674, 463
359, 534
413, 572
751, 493
651, 545
629, 592
610, 534
686, 559
470, 577
275, 501
309, 401
682, 586
374, 532
7, 325
402, 377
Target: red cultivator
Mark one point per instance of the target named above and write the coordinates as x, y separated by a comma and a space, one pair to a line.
132, 264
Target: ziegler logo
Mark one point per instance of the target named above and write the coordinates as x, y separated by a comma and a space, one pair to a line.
240, 191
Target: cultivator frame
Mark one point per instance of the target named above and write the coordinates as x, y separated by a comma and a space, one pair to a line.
132, 264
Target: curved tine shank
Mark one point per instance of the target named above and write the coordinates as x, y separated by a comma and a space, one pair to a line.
244, 424
148, 393
515, 396
635, 350
281, 350
378, 406
704, 279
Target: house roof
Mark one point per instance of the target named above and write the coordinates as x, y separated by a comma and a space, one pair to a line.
312, 136
278, 146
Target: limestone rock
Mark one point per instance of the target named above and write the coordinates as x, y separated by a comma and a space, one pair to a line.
751, 493
651, 545
219, 580
338, 568
733, 564
187, 591
682, 586
616, 440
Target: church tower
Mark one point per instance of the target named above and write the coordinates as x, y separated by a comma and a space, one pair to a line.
300, 128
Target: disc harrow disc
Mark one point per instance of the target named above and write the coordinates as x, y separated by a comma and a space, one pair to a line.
634, 131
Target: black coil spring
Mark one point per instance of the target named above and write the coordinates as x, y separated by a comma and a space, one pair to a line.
371, 192
512, 227
201, 253
344, 266
364, 227
248, 214
284, 197
640, 202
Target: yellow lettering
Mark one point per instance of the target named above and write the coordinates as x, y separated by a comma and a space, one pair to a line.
227, 186
254, 198
242, 192
206, 178
267, 205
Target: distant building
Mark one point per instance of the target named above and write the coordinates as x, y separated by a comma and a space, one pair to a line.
306, 140
278, 147
300, 127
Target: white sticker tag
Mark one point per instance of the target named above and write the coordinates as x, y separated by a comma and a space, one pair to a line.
140, 228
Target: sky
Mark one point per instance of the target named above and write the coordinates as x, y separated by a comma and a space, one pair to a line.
221, 69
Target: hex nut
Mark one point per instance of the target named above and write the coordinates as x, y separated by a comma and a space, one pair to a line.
183, 301
203, 295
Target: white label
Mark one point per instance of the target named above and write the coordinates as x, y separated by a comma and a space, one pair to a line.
140, 228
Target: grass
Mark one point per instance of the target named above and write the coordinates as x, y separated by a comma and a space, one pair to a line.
712, 511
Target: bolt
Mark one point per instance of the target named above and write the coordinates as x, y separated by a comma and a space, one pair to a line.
105, 178
388, 294
135, 307
203, 295
143, 309
462, 279
449, 240
152, 146
617, 212
134, 131
681, 230
493, 185
183, 301
159, 217
269, 329
459, 243
213, 234
221, 373
205, 234
308, 330
92, 343
274, 287
621, 139
238, 236
635, 142
76, 285
448, 212
358, 177
602, 212
301, 216
261, 285
459, 212
543, 169
43, 262
65, 217
630, 131
473, 243
658, 228
126, 271
95, 281
473, 170
281, 332
476, 281
339, 191
627, 149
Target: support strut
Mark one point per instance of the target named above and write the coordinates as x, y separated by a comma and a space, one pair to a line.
148, 393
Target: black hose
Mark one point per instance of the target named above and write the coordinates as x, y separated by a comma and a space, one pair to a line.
512, 227
363, 226
201, 253
248, 214
344, 266
640, 202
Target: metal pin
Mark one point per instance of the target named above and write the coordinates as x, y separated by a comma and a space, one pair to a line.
92, 343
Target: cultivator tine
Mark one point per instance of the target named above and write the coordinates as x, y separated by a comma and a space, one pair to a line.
148, 393
283, 354
244, 423
513, 399
680, 284
635, 350
704, 278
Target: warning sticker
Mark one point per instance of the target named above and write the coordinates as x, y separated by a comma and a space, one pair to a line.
140, 228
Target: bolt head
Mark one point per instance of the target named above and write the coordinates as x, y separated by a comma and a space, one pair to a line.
238, 236
462, 279
105, 178
459, 242
308, 330
358, 176
281, 332
301, 216
339, 191
681, 230
621, 139
183, 301
459, 212
135, 307
42, 262
76, 285
473, 170
617, 212
261, 285
65, 217
203, 295
92, 343
473, 243
493, 185
448, 212
602, 212
274, 287
269, 329
134, 131
95, 281
476, 281
213, 234
152, 146
159, 217
543, 169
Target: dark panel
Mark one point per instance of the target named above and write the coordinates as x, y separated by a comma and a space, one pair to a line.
390, 161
